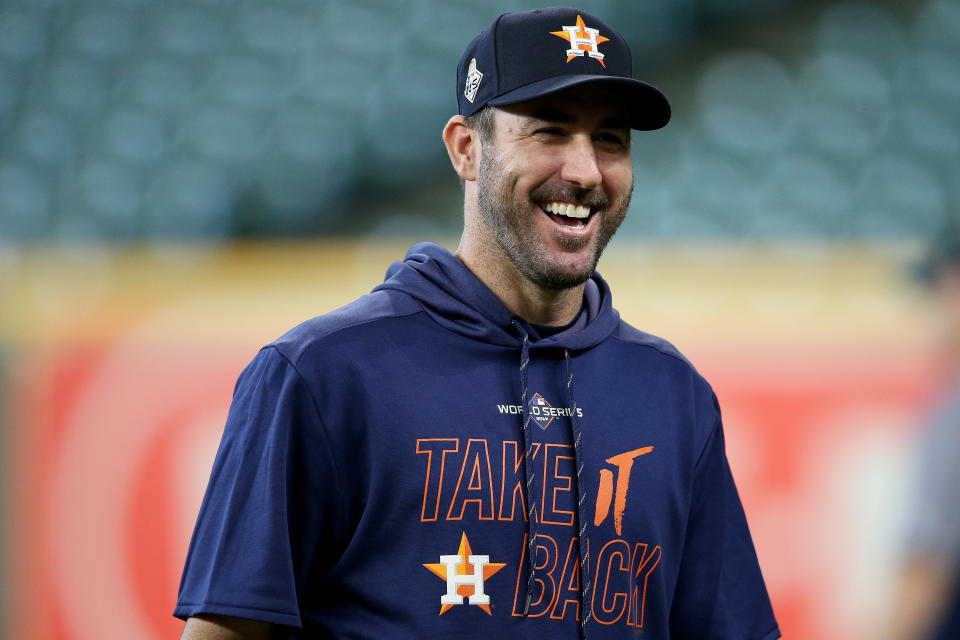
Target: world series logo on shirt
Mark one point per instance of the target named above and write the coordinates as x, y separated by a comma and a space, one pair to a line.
541, 410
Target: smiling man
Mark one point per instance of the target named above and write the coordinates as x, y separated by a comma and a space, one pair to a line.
481, 447
547, 184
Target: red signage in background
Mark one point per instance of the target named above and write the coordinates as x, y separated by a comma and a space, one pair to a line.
116, 460
821, 452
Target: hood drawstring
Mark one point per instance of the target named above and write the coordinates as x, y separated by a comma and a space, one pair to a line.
532, 520
584, 541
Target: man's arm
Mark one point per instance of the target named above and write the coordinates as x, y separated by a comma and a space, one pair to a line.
924, 589
210, 627
271, 512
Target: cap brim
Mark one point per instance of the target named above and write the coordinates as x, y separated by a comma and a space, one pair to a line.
647, 107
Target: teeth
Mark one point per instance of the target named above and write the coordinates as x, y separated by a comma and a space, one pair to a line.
568, 209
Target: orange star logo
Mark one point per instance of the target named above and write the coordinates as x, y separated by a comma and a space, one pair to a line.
465, 563
582, 39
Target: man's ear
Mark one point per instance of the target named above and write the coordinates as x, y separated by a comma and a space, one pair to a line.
463, 147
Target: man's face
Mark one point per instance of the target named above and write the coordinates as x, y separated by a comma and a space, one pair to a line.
555, 182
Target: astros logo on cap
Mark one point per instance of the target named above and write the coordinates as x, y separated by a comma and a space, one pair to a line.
582, 39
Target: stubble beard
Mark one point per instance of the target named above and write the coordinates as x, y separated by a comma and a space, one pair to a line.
517, 236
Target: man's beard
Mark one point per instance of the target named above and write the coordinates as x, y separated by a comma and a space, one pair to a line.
518, 236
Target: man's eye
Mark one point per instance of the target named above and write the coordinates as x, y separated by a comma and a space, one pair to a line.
611, 139
551, 131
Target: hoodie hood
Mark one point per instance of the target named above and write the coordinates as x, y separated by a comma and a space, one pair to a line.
457, 300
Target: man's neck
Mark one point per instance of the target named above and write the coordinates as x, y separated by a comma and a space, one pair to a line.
535, 304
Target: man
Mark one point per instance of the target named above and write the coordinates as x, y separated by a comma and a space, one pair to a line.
481, 448
926, 598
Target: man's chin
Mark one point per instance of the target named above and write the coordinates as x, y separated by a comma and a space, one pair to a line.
557, 277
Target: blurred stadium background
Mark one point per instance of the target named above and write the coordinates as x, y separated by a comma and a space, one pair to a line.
180, 182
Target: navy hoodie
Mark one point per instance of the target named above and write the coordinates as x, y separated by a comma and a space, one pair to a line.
375, 479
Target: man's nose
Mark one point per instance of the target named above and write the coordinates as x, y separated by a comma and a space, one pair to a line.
580, 163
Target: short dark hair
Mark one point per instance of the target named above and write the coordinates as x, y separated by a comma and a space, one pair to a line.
482, 123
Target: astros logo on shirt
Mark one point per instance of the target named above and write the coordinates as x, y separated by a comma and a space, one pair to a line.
465, 574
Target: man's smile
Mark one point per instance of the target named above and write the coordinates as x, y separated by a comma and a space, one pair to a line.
568, 213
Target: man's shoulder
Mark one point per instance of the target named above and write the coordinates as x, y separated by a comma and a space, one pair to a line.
668, 355
662, 358
363, 313
631, 335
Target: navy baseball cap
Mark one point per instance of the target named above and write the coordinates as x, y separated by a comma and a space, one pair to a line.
526, 55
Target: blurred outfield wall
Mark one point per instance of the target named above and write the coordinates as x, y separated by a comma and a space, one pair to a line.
119, 367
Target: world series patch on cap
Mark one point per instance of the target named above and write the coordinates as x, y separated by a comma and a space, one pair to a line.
529, 54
